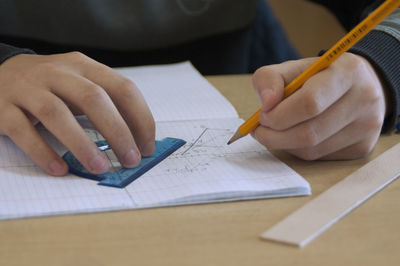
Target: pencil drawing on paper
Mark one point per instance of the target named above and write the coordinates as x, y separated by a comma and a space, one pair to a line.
206, 144
209, 138
201, 150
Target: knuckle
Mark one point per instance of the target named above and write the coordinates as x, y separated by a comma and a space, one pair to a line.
371, 94
36, 73
76, 56
42, 68
261, 71
312, 104
93, 94
127, 88
354, 62
257, 75
308, 137
47, 109
264, 76
362, 72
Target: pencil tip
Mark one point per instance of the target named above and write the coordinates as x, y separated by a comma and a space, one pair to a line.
235, 137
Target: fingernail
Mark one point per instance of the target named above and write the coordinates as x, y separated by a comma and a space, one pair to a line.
98, 164
149, 148
57, 168
131, 158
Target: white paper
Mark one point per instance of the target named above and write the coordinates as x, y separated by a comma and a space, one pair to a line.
203, 170
178, 92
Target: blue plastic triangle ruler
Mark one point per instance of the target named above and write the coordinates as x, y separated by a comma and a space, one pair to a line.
124, 176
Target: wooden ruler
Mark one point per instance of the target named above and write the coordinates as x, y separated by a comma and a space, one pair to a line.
305, 224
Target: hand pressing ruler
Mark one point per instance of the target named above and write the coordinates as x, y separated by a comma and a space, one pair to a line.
316, 216
119, 176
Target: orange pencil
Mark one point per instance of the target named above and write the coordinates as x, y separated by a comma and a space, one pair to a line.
325, 60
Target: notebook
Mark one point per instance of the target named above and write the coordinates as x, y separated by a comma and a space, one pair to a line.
204, 170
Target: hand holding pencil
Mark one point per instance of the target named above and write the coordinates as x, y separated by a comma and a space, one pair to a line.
337, 113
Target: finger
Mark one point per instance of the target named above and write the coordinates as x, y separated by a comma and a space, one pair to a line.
58, 119
269, 81
355, 151
27, 139
97, 105
354, 141
311, 132
132, 105
127, 98
313, 98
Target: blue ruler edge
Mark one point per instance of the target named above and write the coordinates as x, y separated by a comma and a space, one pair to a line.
124, 176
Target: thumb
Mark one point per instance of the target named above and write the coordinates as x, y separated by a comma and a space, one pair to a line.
269, 85
270, 81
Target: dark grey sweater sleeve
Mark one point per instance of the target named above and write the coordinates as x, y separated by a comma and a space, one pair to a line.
383, 52
7, 51
381, 47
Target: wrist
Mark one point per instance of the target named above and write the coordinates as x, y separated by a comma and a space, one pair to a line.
8, 51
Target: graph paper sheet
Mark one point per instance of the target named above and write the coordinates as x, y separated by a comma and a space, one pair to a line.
179, 92
203, 170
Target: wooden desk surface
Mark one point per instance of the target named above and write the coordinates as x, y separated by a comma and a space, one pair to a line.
215, 234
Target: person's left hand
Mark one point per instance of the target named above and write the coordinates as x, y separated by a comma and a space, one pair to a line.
337, 114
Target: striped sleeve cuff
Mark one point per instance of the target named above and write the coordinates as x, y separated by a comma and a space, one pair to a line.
383, 51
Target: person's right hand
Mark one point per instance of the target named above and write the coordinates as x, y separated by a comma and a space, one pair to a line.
337, 114
52, 89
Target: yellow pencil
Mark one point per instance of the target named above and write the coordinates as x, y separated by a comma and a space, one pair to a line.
325, 60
